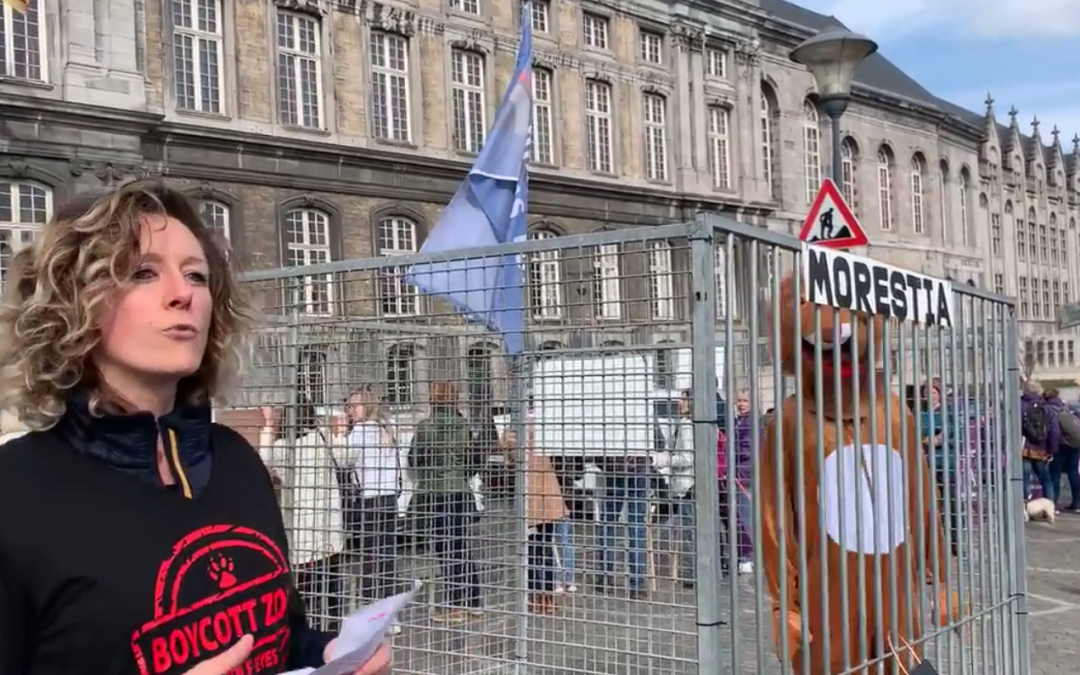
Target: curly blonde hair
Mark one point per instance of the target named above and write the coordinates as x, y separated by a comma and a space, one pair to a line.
57, 292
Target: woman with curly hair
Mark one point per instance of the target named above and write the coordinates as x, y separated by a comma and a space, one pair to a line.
136, 537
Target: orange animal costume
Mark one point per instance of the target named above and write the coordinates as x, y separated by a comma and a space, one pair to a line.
845, 536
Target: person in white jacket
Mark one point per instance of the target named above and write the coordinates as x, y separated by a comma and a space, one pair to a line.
313, 509
370, 465
678, 463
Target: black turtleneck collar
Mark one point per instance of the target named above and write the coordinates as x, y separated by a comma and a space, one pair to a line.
128, 443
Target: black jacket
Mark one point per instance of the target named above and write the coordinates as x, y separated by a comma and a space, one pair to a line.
104, 571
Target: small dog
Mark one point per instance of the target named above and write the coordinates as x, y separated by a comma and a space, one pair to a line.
1040, 509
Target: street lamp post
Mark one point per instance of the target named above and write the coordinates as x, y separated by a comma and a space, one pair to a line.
832, 58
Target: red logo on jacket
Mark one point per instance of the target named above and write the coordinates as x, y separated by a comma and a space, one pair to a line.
221, 583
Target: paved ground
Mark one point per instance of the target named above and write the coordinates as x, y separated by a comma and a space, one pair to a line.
1053, 563
602, 634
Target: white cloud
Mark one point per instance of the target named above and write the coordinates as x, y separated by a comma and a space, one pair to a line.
962, 19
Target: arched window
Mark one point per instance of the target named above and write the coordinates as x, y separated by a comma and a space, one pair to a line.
811, 151
769, 110
943, 199
918, 178
607, 282
397, 236
307, 242
661, 281
400, 374
215, 217
963, 187
478, 375
545, 280
885, 188
848, 154
24, 209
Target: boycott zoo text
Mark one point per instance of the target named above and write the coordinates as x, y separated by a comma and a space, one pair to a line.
187, 643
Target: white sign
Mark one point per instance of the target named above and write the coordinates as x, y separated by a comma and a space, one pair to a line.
593, 406
859, 284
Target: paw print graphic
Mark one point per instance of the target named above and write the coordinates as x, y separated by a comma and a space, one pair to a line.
221, 571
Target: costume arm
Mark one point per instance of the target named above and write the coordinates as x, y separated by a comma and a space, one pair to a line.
771, 532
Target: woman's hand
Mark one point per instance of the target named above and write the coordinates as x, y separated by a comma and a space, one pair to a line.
378, 664
225, 662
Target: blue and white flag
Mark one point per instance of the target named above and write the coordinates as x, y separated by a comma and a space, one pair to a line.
490, 208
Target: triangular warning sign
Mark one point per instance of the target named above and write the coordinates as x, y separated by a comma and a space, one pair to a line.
830, 222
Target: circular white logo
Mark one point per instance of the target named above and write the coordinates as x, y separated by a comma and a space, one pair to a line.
864, 497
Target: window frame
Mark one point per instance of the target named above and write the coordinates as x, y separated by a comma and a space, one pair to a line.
661, 266
406, 297
8, 16
308, 301
719, 146
597, 121
472, 121
197, 64
543, 116
295, 53
380, 44
545, 294
654, 122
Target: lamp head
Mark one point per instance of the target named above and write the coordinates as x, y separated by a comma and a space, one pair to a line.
832, 58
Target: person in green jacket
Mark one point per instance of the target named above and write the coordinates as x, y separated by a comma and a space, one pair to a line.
939, 429
444, 457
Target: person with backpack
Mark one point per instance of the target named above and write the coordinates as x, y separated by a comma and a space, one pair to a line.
1042, 436
1067, 459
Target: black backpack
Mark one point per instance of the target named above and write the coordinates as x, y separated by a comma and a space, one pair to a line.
1036, 423
1070, 429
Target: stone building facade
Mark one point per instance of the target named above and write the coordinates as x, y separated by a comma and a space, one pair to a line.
318, 131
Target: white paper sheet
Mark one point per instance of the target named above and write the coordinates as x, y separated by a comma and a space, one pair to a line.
361, 634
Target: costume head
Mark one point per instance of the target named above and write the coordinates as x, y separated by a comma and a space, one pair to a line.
853, 335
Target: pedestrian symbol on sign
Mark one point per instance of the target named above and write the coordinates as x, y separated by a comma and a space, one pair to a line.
830, 222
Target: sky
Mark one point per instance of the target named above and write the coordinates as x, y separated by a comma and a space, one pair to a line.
1026, 53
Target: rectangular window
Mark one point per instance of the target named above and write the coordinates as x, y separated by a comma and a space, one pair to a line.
299, 61
655, 137
467, 6
543, 146
1047, 311
197, 55
995, 234
1021, 242
541, 16
594, 31
390, 87
716, 63
598, 126
23, 38
720, 147
1071, 355
606, 290
467, 96
661, 282
651, 47
999, 284
1025, 298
